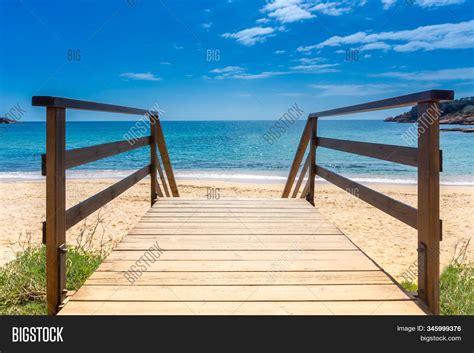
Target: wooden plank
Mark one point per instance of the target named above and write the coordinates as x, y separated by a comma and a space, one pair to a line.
162, 176
243, 278
166, 159
155, 189
283, 238
297, 160
59, 102
303, 172
312, 161
398, 154
244, 266
249, 228
234, 231
307, 293
233, 211
55, 207
247, 308
147, 222
170, 245
80, 211
292, 254
80, 156
390, 103
429, 232
305, 190
394, 208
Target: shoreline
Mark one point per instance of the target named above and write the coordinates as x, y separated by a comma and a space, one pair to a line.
259, 177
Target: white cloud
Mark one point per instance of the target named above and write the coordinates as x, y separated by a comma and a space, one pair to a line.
263, 20
353, 90
442, 36
228, 69
388, 4
307, 61
147, 76
287, 11
177, 47
436, 3
250, 36
331, 8
265, 74
207, 26
165, 63
466, 73
279, 52
314, 68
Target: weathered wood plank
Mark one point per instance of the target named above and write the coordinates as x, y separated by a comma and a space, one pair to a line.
242, 278
428, 223
79, 156
390, 103
55, 207
160, 139
297, 160
80, 211
246, 308
405, 213
59, 102
307, 293
292, 254
398, 154
312, 161
155, 189
303, 172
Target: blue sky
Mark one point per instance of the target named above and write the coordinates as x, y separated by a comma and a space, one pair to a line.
231, 59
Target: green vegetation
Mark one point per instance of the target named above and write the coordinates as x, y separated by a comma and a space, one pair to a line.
23, 280
456, 289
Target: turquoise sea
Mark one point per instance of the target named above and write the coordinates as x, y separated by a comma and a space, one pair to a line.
233, 150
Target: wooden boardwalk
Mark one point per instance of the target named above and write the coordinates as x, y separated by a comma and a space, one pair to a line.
241, 257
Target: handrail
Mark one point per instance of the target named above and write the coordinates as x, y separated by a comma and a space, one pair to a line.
60, 102
57, 159
85, 208
426, 158
390, 153
395, 208
389, 103
84, 155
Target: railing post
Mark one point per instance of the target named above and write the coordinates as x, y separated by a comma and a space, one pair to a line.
428, 223
153, 160
312, 160
55, 208
160, 140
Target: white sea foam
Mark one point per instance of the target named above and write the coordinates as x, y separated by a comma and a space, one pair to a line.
236, 176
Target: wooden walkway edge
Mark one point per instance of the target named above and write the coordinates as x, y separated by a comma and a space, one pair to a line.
238, 257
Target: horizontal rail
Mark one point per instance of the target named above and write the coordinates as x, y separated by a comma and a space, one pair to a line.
59, 102
80, 156
392, 153
389, 103
405, 213
80, 211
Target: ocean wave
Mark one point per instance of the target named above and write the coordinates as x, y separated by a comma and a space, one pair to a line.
237, 176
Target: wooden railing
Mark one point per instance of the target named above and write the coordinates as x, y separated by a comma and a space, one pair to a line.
426, 157
57, 159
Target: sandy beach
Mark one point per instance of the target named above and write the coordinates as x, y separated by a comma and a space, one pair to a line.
389, 242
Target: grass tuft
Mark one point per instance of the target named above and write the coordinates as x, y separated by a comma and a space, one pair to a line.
456, 289
23, 280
